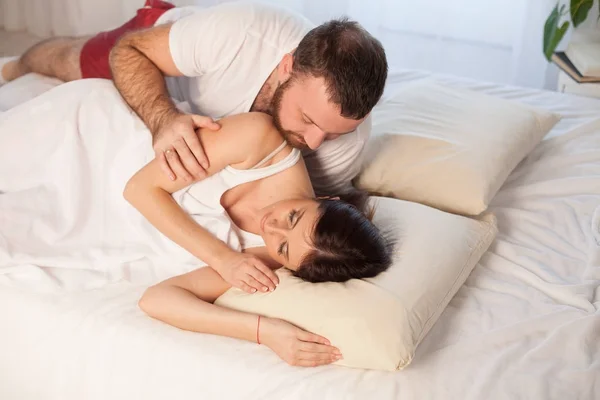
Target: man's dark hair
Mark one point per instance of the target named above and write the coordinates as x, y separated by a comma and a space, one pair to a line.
346, 244
352, 62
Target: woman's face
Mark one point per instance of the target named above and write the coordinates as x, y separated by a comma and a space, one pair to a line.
287, 228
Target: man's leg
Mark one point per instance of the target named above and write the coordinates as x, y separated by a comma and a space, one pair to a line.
65, 57
56, 57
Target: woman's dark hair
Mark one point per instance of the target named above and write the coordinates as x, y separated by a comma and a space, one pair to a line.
347, 245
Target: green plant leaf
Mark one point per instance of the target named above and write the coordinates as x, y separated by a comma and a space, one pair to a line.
553, 34
580, 10
562, 9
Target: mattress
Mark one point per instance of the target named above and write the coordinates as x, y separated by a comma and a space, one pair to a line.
526, 324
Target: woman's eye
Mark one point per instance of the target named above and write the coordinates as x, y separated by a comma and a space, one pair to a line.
291, 216
280, 249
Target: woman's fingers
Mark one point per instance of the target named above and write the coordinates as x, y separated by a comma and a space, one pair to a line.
272, 276
256, 272
311, 337
254, 284
314, 359
318, 348
251, 271
246, 288
264, 283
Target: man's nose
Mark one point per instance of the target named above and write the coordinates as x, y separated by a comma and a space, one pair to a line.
314, 137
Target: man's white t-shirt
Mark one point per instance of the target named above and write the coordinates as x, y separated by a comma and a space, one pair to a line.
227, 52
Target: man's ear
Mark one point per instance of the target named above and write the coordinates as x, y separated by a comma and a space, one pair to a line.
285, 68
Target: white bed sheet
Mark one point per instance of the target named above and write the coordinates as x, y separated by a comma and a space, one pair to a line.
525, 324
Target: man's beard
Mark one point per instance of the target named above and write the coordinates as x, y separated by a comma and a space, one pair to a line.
294, 139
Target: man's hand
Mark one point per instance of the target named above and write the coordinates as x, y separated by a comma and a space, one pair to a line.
177, 146
139, 63
246, 272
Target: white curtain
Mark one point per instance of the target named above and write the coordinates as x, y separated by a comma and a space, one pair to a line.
492, 40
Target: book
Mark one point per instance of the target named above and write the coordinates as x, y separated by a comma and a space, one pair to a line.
565, 64
585, 56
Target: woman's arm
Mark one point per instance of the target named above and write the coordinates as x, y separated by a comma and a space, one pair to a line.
185, 302
242, 141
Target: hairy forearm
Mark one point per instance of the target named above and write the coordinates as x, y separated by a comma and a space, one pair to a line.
142, 84
162, 211
182, 309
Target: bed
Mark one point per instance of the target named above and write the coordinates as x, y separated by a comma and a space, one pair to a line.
526, 324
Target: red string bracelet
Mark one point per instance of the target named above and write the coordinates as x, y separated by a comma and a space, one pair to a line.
257, 331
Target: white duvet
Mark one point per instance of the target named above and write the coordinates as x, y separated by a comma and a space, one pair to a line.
525, 325
65, 157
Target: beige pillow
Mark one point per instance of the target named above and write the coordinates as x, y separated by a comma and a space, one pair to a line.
377, 323
448, 148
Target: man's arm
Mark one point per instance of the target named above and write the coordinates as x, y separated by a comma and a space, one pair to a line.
138, 62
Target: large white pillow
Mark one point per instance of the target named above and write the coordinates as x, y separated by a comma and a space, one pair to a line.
446, 147
377, 323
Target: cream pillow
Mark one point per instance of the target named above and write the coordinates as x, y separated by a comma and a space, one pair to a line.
448, 148
377, 323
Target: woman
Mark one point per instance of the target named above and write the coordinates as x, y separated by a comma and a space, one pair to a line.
259, 188
64, 223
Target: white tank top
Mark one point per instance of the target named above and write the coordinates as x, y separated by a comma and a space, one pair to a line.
202, 201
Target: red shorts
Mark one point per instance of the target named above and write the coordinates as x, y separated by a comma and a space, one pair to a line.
93, 60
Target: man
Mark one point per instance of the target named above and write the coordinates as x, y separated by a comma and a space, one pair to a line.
319, 84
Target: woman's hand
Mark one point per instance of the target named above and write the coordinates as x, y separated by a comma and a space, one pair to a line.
296, 346
246, 272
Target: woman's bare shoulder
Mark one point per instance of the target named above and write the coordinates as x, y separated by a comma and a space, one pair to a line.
256, 132
252, 125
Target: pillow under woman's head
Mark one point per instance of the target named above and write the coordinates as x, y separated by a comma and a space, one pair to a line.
378, 322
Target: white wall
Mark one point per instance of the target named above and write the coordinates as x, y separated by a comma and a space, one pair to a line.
493, 40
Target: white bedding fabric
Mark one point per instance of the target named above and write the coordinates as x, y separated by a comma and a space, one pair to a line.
525, 324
